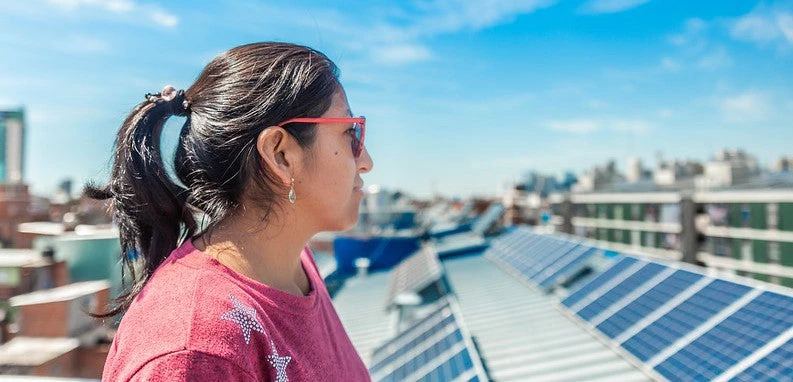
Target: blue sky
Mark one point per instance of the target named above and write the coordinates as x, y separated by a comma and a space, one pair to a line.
460, 96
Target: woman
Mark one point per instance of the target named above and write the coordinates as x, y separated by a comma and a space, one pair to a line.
271, 154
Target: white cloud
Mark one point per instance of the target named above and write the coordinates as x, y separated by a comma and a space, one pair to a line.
127, 8
785, 23
745, 107
399, 32
401, 54
695, 50
577, 126
403, 43
596, 7
754, 28
118, 6
765, 25
165, 19
454, 15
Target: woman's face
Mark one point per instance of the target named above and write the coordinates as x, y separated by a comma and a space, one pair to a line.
329, 189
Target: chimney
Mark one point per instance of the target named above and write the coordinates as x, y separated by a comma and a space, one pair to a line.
362, 265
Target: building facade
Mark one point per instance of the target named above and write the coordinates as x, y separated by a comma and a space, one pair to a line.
749, 232
12, 146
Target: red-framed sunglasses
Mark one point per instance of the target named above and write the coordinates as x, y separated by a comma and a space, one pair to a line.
358, 129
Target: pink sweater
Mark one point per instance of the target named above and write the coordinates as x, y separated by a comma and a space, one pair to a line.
198, 320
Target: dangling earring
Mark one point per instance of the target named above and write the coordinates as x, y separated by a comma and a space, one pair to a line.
292, 196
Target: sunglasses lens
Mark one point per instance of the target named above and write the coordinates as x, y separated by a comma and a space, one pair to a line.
357, 145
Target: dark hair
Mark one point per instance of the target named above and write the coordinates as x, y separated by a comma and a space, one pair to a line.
238, 94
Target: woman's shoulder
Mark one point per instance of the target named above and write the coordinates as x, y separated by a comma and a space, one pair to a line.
189, 312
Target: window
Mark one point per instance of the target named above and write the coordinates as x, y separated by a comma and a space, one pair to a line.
746, 216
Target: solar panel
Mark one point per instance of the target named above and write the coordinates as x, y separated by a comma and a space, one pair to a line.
525, 254
560, 261
599, 281
620, 290
570, 268
517, 242
513, 238
431, 323
539, 259
414, 274
558, 249
451, 370
436, 347
488, 219
737, 336
648, 303
776, 366
684, 318
681, 324
516, 250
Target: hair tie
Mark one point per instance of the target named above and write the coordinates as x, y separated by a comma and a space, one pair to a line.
172, 98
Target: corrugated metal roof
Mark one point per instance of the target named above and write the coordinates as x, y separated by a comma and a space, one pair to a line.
359, 304
522, 335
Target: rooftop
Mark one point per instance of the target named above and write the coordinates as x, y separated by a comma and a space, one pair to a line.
20, 258
64, 293
34, 351
545, 307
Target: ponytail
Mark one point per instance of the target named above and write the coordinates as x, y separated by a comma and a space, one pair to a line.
237, 95
151, 211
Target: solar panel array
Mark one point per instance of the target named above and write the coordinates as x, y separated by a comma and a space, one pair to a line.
414, 274
436, 348
543, 261
679, 324
488, 218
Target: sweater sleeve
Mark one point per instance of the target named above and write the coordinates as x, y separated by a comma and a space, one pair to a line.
190, 365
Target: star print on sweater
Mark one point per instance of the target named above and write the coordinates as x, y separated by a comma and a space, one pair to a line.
245, 317
279, 363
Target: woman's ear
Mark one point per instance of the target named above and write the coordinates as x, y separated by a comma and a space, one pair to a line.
279, 152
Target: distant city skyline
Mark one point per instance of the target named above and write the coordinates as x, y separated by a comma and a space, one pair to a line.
461, 97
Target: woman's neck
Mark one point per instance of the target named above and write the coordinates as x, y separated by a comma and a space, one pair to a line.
266, 252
